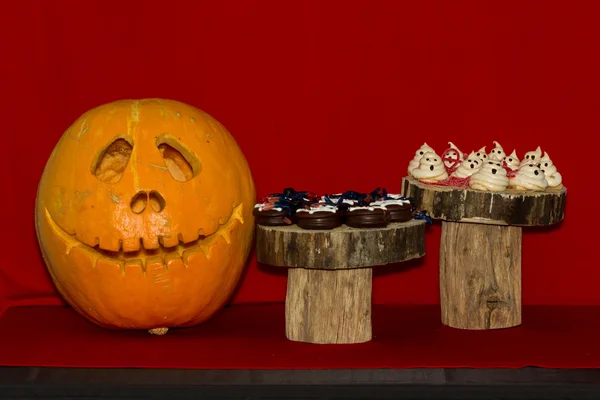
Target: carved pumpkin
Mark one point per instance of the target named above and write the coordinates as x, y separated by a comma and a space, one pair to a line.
144, 215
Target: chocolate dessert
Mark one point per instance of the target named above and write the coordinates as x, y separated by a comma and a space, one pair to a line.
367, 217
400, 209
271, 217
319, 217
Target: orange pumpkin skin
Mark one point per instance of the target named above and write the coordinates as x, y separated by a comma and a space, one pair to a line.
144, 215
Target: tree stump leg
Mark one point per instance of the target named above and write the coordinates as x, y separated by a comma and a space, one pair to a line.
329, 306
480, 275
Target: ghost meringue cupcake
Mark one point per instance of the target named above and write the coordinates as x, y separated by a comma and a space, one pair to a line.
532, 156
414, 163
553, 177
431, 168
497, 153
512, 161
529, 177
490, 177
468, 167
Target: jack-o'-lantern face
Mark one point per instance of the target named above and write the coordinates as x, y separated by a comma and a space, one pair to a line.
145, 209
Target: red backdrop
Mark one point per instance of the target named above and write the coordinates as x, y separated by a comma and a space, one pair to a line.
322, 96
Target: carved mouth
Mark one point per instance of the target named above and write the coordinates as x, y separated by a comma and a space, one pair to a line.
162, 254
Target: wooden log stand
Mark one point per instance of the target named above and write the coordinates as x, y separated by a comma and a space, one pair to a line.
330, 275
480, 251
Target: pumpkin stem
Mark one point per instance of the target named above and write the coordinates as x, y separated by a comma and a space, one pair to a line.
158, 331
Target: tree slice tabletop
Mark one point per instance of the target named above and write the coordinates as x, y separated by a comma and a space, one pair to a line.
340, 248
510, 207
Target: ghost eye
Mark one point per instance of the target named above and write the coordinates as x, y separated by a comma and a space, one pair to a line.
493, 151
435, 160
510, 159
527, 157
421, 153
427, 159
476, 162
491, 163
533, 157
181, 162
110, 164
545, 164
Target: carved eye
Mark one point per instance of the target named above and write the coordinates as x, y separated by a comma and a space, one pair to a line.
510, 159
476, 162
491, 163
181, 162
493, 151
527, 157
545, 164
110, 164
530, 165
427, 159
533, 157
420, 153
435, 160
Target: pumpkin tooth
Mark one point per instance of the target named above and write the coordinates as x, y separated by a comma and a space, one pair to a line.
171, 257
87, 239
130, 244
108, 243
133, 263
194, 252
106, 262
150, 244
188, 236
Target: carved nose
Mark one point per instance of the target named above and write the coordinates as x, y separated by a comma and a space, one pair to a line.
141, 200
138, 202
157, 201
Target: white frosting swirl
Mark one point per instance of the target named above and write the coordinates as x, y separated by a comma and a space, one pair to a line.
529, 177
414, 163
261, 206
468, 167
369, 207
497, 152
553, 177
385, 203
481, 154
431, 168
320, 207
490, 177
533, 156
512, 161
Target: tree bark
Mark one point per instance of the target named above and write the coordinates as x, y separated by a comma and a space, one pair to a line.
480, 276
475, 206
340, 248
329, 306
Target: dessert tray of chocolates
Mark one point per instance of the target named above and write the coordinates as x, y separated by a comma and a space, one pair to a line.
311, 211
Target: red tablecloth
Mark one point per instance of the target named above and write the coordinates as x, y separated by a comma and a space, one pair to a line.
252, 337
